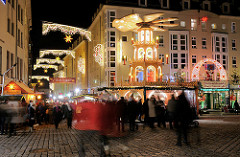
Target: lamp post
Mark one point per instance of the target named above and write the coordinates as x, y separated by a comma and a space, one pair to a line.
4, 77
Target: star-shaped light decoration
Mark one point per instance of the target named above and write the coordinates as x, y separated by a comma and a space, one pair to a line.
45, 70
68, 38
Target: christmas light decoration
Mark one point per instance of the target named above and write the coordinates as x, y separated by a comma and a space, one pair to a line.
69, 30
204, 19
41, 77
68, 38
98, 54
45, 66
81, 65
49, 61
45, 70
57, 53
196, 69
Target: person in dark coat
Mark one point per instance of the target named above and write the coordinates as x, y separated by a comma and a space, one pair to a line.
152, 111
69, 115
161, 112
145, 112
171, 110
57, 115
121, 113
236, 107
132, 112
182, 119
31, 115
39, 113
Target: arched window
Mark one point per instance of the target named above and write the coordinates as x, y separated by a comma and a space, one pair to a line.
151, 74
141, 53
149, 53
139, 74
147, 35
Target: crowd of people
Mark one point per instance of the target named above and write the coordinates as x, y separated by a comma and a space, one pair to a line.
12, 116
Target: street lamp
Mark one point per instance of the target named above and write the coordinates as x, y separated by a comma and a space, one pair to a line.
4, 76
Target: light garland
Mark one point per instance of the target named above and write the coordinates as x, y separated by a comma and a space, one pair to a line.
45, 66
196, 69
98, 54
41, 77
49, 61
57, 53
81, 65
47, 27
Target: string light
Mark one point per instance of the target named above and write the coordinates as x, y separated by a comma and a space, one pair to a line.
57, 53
41, 77
45, 66
81, 65
49, 61
47, 27
98, 54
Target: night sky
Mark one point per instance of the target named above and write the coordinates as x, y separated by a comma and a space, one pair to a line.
72, 12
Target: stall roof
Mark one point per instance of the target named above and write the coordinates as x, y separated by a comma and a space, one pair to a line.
23, 87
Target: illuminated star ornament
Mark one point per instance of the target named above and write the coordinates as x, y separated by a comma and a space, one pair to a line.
68, 38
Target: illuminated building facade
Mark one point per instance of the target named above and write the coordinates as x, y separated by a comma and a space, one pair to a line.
16, 20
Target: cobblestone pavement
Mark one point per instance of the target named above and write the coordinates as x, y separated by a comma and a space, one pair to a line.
216, 136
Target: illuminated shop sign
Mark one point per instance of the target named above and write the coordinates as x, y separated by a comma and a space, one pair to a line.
4, 1
214, 90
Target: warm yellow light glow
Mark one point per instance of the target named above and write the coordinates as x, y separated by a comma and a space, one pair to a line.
68, 38
11, 86
39, 97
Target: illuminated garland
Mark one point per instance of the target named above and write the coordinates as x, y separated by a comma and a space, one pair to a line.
45, 66
57, 53
41, 77
196, 69
47, 27
49, 61
81, 65
98, 54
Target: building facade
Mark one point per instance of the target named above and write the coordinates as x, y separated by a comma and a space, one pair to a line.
205, 34
16, 20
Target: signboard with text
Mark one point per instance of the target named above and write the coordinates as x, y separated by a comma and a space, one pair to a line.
214, 84
62, 80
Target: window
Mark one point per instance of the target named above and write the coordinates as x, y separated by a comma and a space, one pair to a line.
174, 61
18, 37
12, 32
19, 12
204, 43
234, 62
111, 59
214, 26
217, 57
18, 67
21, 16
233, 27
111, 78
8, 25
224, 44
183, 44
12, 58
234, 44
111, 39
203, 57
203, 23
161, 56
194, 42
223, 26
0, 60
161, 42
111, 17
8, 61
21, 69
178, 59
224, 61
174, 42
165, 3
142, 3
183, 24
179, 42
193, 24
186, 4
21, 40
206, 7
13, 3
217, 44
194, 60
124, 38
149, 53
